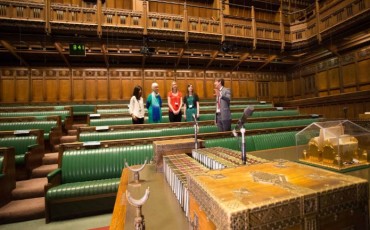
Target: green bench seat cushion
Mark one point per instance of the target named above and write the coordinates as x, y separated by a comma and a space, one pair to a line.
81, 189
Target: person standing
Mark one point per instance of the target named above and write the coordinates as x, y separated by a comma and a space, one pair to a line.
136, 106
154, 104
223, 114
191, 104
174, 98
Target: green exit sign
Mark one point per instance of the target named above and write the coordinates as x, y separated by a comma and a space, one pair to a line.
77, 49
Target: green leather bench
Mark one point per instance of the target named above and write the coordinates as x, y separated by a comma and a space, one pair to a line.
129, 134
83, 110
7, 175
87, 179
29, 150
115, 135
47, 126
203, 117
51, 125
256, 142
66, 116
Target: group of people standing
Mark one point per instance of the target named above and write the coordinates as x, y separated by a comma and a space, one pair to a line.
176, 102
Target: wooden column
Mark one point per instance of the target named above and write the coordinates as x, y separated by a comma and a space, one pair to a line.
222, 22
186, 24
254, 29
145, 17
282, 31
318, 20
47, 16
99, 17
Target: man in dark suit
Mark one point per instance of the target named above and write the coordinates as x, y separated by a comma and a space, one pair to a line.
223, 97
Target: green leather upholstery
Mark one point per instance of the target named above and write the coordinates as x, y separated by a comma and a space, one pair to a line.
96, 171
47, 126
83, 109
102, 163
256, 142
21, 145
62, 113
274, 140
85, 188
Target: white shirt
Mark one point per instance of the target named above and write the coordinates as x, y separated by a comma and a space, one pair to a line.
219, 101
136, 107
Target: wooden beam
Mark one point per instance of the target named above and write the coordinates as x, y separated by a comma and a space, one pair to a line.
58, 46
13, 52
214, 55
267, 62
241, 59
180, 57
104, 51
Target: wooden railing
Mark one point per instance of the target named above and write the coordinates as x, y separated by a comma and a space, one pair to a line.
315, 23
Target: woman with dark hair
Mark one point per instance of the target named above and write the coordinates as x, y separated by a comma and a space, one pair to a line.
191, 104
136, 106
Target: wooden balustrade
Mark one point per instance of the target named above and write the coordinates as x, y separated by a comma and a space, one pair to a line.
329, 16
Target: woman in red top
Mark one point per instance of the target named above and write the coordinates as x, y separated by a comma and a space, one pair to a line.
174, 98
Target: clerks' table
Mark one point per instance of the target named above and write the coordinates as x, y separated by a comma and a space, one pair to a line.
277, 195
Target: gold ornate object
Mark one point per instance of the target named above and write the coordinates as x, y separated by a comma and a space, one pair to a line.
314, 153
336, 145
329, 154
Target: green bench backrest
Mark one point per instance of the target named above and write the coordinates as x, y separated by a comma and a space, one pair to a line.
62, 113
274, 140
255, 142
44, 125
83, 109
102, 163
20, 145
275, 124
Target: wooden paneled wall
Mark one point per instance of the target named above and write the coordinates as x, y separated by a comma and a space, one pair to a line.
52, 85
345, 74
338, 87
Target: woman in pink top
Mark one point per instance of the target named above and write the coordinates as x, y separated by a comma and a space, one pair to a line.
174, 98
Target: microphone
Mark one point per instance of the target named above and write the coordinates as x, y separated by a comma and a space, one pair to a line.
247, 113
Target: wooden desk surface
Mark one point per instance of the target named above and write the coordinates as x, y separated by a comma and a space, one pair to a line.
161, 210
284, 194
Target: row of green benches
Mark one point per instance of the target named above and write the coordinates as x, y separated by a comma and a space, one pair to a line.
130, 134
96, 120
51, 125
86, 109
87, 179
39, 113
124, 110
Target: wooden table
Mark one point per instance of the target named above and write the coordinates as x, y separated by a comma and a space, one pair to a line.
161, 210
277, 195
